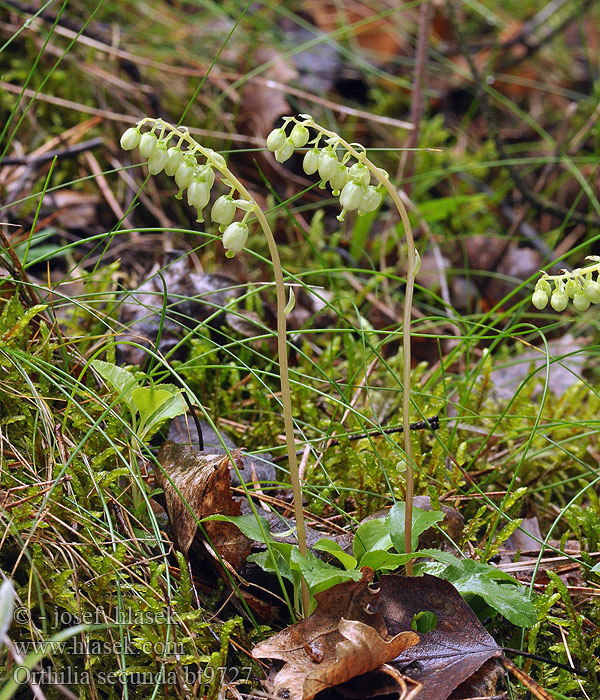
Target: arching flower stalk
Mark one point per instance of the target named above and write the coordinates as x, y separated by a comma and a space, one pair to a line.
578, 285
173, 150
197, 177
349, 175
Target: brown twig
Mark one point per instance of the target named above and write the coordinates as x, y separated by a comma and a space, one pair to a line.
63, 154
416, 107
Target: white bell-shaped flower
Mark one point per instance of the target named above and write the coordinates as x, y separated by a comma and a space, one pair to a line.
234, 238
148, 143
130, 139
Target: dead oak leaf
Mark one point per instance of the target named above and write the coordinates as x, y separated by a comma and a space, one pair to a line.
449, 654
203, 483
342, 639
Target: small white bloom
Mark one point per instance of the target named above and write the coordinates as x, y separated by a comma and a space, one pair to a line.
328, 164
131, 139
223, 210
148, 143
286, 151
299, 135
158, 159
276, 139
235, 237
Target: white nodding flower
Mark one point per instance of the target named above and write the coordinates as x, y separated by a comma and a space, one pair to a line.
158, 158
580, 301
131, 139
174, 160
198, 193
299, 135
371, 199
539, 299
276, 139
328, 164
360, 173
286, 151
148, 143
185, 174
351, 195
339, 179
234, 238
310, 164
559, 300
592, 291
223, 210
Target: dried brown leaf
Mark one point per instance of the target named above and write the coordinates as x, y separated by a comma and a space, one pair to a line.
342, 639
204, 482
447, 655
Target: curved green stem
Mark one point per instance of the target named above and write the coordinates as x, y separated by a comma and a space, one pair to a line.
382, 176
286, 399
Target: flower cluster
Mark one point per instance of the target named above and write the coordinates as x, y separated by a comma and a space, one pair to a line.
578, 285
351, 182
192, 176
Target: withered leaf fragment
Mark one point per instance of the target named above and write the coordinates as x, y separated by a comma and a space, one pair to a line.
204, 482
342, 639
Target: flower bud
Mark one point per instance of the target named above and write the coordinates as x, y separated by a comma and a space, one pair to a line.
539, 299
245, 204
223, 210
217, 157
591, 290
276, 139
580, 301
339, 179
328, 164
234, 238
299, 135
158, 158
360, 173
417, 265
174, 160
148, 143
559, 300
310, 164
351, 196
131, 139
285, 152
371, 199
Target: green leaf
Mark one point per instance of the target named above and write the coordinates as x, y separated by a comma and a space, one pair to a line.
319, 575
279, 562
421, 520
121, 380
156, 404
333, 548
596, 569
380, 560
510, 600
372, 534
249, 525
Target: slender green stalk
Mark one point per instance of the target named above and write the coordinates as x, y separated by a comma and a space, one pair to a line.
382, 176
286, 399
